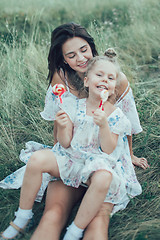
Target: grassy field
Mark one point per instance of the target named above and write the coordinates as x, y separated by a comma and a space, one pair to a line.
132, 27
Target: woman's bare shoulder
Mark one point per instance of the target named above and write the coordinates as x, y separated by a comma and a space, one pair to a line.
123, 80
56, 79
122, 85
109, 108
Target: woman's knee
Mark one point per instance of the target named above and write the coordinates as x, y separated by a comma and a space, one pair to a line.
101, 179
55, 215
97, 229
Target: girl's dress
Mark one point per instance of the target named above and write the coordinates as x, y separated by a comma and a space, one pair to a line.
84, 156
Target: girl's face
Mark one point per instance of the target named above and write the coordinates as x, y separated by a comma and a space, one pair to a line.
77, 52
103, 75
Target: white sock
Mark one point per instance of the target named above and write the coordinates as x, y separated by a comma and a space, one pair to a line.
73, 232
22, 217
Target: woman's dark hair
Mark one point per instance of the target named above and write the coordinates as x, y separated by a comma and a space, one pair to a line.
55, 58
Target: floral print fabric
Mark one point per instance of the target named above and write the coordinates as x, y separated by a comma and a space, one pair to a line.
85, 155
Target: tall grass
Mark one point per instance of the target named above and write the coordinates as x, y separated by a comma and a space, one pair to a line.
129, 26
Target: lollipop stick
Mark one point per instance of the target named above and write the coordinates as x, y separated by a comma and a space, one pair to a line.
104, 97
60, 99
101, 105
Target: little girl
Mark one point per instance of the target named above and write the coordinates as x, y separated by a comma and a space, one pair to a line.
92, 149
101, 140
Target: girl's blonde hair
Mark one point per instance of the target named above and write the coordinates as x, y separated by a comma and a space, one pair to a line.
110, 55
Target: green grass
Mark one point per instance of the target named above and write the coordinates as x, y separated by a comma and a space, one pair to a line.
132, 27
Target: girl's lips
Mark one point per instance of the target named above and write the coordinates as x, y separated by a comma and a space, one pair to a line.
102, 87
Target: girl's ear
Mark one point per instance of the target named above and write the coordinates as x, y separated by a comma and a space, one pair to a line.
86, 82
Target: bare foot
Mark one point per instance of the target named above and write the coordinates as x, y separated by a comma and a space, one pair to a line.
140, 162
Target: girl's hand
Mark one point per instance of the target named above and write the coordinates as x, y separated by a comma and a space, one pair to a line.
62, 119
100, 117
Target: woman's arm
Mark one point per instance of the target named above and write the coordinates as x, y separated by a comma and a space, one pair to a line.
121, 86
57, 79
60, 78
64, 129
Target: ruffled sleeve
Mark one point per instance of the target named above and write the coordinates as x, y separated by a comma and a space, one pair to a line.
51, 106
119, 124
128, 107
70, 106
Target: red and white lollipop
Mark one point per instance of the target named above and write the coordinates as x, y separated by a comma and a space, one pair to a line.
58, 90
104, 97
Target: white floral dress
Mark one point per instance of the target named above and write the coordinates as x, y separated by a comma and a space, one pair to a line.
14, 180
84, 156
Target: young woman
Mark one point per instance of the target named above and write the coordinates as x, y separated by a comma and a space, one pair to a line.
71, 49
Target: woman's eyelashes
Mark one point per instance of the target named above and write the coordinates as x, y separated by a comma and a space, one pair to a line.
71, 56
82, 50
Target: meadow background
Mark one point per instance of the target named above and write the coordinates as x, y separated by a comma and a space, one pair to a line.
133, 29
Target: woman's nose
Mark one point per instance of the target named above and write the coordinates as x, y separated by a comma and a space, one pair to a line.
80, 56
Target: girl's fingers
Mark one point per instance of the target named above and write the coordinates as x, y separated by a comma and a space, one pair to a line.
61, 115
61, 112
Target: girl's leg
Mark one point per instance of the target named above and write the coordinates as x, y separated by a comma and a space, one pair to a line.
40, 161
140, 162
60, 200
98, 227
90, 204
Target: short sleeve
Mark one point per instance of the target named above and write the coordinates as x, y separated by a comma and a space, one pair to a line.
128, 107
70, 106
51, 106
119, 124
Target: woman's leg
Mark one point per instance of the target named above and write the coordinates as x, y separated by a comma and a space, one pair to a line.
98, 227
60, 200
90, 204
140, 162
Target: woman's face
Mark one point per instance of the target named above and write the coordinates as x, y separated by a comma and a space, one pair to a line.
77, 52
